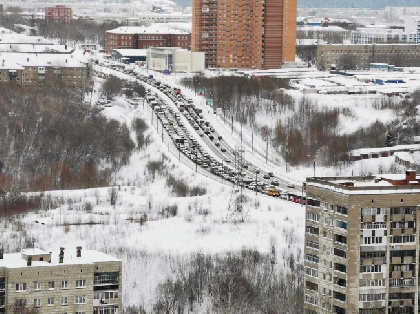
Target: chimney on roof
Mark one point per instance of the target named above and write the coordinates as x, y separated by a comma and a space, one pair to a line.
65, 47
79, 251
27, 59
29, 261
410, 175
61, 255
1, 253
66, 60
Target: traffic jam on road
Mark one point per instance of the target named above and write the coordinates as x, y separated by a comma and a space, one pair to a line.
232, 166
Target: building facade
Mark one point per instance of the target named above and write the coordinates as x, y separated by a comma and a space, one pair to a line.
245, 34
361, 56
43, 68
81, 282
174, 60
372, 35
58, 14
146, 37
362, 244
412, 26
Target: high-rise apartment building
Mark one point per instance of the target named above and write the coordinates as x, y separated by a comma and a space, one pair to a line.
362, 244
35, 281
245, 33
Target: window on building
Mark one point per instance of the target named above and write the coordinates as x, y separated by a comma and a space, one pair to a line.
81, 283
37, 302
20, 287
64, 301
37, 286
51, 301
80, 299
64, 284
50, 285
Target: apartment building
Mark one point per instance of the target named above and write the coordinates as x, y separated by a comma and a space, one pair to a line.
412, 26
43, 68
69, 281
377, 35
58, 14
141, 37
362, 244
245, 34
400, 55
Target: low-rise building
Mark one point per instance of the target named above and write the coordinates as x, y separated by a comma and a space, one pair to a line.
173, 59
129, 55
412, 26
151, 18
43, 68
60, 282
141, 37
361, 56
377, 35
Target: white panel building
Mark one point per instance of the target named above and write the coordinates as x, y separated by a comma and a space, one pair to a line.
174, 59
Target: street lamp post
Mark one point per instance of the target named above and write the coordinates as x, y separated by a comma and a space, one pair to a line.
266, 153
256, 181
314, 167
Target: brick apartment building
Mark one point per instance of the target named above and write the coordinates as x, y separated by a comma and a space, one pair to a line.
58, 14
362, 244
140, 37
245, 34
43, 68
400, 55
81, 282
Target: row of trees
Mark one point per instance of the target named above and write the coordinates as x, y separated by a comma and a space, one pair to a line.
244, 282
308, 132
51, 140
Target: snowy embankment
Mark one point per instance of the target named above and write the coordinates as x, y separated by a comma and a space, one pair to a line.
153, 230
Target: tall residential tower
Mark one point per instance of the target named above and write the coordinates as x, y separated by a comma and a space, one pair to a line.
245, 33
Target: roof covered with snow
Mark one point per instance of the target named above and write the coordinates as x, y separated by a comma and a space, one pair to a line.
13, 38
8, 60
15, 260
131, 52
158, 28
34, 48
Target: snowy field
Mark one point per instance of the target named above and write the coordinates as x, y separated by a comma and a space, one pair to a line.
154, 230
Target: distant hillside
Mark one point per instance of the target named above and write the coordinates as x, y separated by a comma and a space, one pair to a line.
377, 4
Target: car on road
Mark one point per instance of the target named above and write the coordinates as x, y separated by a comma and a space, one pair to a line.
275, 183
223, 150
271, 174
266, 176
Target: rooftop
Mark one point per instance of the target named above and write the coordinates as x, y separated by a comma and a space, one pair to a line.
17, 260
16, 60
157, 28
375, 184
131, 52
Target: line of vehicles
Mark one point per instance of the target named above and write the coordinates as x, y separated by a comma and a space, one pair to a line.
232, 166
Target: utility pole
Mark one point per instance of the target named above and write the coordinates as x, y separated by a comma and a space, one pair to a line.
266, 153
232, 124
